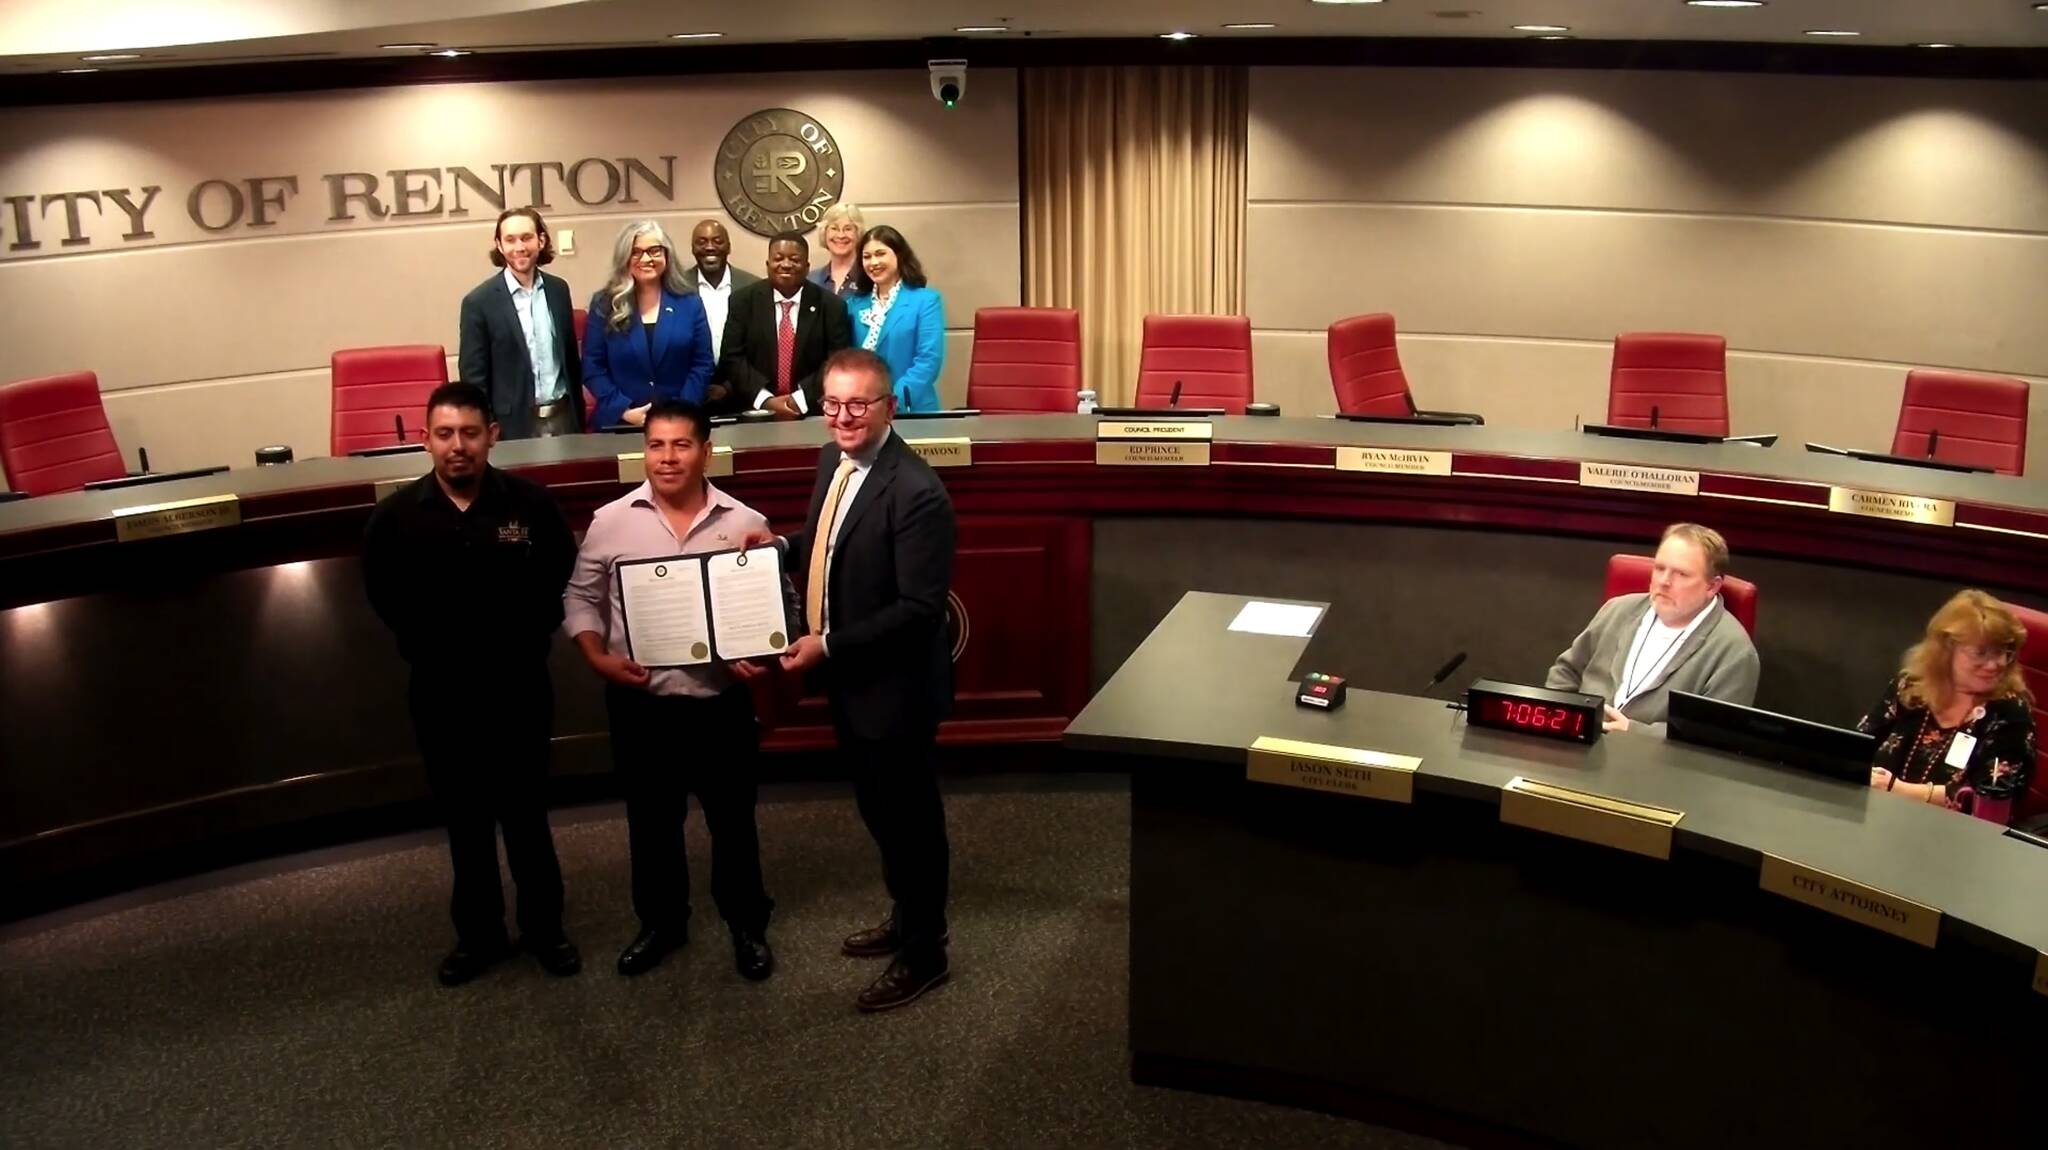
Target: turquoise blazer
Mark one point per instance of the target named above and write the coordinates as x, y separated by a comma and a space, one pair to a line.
913, 342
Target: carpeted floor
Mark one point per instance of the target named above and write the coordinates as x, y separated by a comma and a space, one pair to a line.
295, 1005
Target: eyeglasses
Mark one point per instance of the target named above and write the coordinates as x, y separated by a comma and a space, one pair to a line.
2002, 656
649, 255
857, 408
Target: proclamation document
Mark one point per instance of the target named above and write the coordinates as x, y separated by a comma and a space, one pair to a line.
749, 613
667, 624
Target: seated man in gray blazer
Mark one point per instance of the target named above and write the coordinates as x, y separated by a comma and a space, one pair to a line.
1678, 637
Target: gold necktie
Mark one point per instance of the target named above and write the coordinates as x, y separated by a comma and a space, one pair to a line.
821, 547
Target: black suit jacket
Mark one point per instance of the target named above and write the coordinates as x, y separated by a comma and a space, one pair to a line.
746, 358
890, 671
493, 353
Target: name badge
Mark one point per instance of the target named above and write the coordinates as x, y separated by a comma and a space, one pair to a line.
1960, 749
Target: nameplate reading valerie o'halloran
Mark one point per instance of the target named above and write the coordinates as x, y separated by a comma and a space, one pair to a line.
156, 520
1626, 477
1393, 461
949, 452
1884, 505
1338, 770
1846, 898
633, 464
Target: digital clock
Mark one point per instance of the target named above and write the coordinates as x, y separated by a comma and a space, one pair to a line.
1563, 715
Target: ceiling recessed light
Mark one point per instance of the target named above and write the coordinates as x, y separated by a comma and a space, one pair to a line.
1725, 3
1831, 32
1344, 1
75, 71
1249, 27
1541, 28
112, 56
1937, 45
1176, 35
1553, 36
982, 28
405, 47
450, 53
695, 35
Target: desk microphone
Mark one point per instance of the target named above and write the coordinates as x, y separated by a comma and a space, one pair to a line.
142, 456
1933, 436
398, 421
1653, 415
1174, 399
1444, 672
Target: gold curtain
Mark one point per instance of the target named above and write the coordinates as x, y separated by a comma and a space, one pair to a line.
1134, 202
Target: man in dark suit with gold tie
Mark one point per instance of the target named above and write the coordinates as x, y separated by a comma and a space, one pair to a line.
875, 562
777, 336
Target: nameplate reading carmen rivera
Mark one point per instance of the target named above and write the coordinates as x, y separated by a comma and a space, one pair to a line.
1394, 460
1609, 822
1626, 477
1168, 454
1852, 900
1883, 505
948, 452
633, 464
156, 520
1154, 429
1338, 770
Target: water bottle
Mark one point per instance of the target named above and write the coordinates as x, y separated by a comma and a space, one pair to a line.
1087, 403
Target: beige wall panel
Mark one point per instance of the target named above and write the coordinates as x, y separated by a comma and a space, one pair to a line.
1903, 295
1951, 153
224, 421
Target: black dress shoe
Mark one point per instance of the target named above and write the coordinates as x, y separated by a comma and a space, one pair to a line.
902, 983
751, 955
556, 955
466, 962
879, 941
649, 947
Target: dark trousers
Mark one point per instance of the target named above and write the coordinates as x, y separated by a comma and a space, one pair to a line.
896, 786
484, 735
664, 747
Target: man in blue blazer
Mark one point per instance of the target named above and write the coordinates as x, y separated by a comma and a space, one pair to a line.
518, 335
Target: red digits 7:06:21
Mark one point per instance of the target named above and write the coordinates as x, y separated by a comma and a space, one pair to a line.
1536, 717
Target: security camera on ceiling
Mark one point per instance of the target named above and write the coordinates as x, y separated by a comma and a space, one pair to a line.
949, 81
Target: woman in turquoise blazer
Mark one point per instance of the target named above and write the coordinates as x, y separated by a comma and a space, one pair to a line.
898, 318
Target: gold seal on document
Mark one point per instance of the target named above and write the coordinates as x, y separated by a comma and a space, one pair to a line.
778, 170
699, 651
776, 640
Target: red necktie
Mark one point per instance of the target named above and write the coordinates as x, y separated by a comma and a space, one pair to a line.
785, 349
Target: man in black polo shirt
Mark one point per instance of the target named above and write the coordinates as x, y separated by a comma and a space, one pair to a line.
466, 566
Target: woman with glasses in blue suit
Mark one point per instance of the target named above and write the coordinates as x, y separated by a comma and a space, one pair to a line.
898, 318
647, 337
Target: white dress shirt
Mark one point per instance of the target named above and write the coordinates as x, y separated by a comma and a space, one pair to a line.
1655, 643
537, 323
717, 302
796, 312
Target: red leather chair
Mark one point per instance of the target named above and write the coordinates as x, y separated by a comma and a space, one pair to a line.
1025, 359
54, 434
1365, 370
1683, 377
1629, 574
1979, 420
2034, 666
1209, 355
376, 387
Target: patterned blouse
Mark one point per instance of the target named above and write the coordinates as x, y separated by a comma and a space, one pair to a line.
1914, 747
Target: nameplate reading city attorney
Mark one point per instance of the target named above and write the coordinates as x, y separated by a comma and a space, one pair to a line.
156, 520
1849, 899
1628, 477
1170, 453
956, 451
1338, 770
1154, 429
1599, 819
1884, 505
1394, 460
633, 464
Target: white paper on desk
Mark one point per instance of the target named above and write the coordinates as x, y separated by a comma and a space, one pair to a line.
666, 625
1295, 620
749, 616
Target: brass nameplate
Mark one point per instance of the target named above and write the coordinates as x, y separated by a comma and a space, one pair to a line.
1851, 900
1394, 460
386, 487
953, 452
2041, 973
1598, 819
155, 520
1883, 505
1170, 454
1153, 429
1626, 477
633, 464
1339, 770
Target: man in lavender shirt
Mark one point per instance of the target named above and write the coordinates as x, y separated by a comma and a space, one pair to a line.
675, 730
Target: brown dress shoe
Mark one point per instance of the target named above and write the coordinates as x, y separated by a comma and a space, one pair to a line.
901, 984
879, 941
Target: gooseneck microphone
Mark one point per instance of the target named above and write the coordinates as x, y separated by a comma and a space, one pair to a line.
1174, 399
1933, 437
398, 422
1444, 672
142, 456
1653, 415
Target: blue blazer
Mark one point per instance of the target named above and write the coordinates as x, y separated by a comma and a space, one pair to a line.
913, 343
615, 364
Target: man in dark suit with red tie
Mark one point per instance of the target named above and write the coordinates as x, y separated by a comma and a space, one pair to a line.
875, 562
777, 335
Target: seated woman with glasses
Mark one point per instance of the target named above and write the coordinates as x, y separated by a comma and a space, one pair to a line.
1958, 714
647, 337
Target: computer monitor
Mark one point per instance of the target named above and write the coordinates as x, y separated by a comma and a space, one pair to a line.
1832, 751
